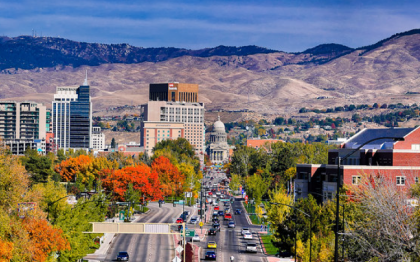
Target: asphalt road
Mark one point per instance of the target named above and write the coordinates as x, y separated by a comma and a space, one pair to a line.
229, 240
148, 248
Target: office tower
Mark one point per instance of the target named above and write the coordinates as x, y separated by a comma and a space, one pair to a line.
22, 120
72, 117
98, 138
173, 111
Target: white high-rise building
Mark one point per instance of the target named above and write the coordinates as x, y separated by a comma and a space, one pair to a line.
72, 117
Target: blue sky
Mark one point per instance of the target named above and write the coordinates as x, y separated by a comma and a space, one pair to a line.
289, 26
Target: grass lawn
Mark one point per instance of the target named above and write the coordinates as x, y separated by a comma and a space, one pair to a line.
269, 247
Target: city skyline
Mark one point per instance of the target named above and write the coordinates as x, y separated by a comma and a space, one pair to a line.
280, 25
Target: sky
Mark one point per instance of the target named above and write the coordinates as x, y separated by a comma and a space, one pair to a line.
290, 26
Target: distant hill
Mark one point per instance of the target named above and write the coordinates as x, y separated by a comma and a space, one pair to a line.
231, 78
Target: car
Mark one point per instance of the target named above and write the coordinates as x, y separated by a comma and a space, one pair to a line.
216, 227
161, 201
227, 210
123, 255
179, 220
226, 204
251, 247
231, 224
209, 193
247, 236
195, 238
221, 213
210, 255
212, 231
194, 220
228, 216
184, 217
216, 208
216, 220
211, 244
245, 230
215, 203
238, 212
187, 213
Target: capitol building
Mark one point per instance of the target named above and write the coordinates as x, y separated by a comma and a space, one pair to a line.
218, 150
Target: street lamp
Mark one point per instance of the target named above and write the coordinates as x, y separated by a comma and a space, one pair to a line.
310, 229
337, 216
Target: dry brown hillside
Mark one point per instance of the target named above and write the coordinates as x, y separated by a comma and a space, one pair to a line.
266, 83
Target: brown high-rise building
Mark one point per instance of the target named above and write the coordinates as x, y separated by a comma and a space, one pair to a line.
173, 92
173, 111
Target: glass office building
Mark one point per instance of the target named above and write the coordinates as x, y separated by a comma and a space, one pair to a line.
72, 117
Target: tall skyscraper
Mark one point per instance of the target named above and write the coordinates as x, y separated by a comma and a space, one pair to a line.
72, 117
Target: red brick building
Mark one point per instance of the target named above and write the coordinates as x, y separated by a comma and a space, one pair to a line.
397, 161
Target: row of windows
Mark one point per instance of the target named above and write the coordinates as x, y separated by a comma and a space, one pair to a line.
183, 111
399, 179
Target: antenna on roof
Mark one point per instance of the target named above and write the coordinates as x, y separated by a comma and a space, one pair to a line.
86, 81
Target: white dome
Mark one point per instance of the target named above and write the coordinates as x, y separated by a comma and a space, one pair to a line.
219, 126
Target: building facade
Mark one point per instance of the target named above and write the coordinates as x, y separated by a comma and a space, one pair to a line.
72, 117
396, 161
98, 138
22, 120
183, 110
218, 149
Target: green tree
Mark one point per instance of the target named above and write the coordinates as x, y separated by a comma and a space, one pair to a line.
113, 143
39, 167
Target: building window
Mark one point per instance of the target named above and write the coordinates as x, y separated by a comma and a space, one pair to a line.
400, 180
416, 179
356, 180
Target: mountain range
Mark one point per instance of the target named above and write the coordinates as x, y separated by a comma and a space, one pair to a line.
231, 78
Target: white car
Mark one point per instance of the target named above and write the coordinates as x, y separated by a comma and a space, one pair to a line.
248, 236
245, 230
251, 248
196, 238
194, 220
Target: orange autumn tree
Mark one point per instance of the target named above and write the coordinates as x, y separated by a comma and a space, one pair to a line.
85, 168
169, 175
142, 177
44, 238
6, 251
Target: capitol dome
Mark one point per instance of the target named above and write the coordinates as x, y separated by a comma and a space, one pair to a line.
219, 126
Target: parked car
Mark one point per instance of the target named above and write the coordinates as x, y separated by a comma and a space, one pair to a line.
212, 231
231, 224
123, 255
210, 255
251, 247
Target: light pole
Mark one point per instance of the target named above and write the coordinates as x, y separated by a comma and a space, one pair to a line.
310, 228
339, 184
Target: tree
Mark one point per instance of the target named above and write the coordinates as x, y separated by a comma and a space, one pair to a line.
169, 176
385, 229
144, 180
39, 167
257, 186
113, 143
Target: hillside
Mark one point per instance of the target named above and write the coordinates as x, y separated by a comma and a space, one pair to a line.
253, 78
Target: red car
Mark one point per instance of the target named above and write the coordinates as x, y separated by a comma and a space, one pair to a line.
180, 220
216, 208
210, 193
228, 216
